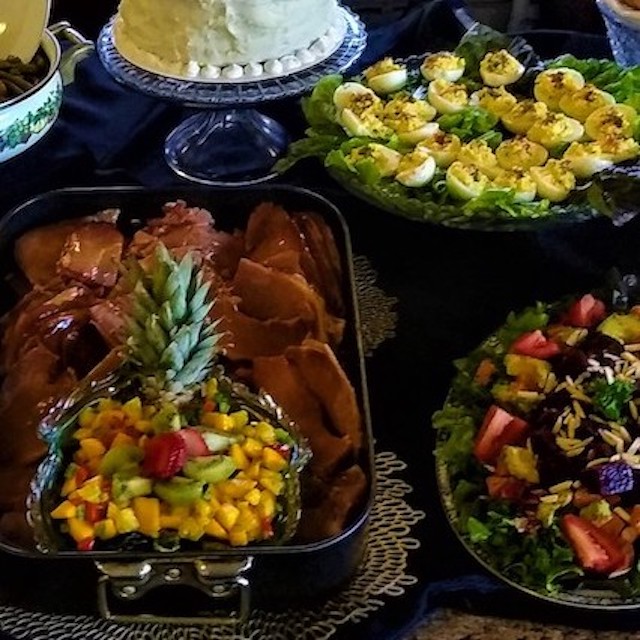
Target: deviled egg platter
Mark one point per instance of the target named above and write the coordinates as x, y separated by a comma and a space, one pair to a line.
495, 139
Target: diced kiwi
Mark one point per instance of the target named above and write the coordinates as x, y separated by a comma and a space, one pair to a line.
179, 491
217, 442
210, 469
121, 459
125, 488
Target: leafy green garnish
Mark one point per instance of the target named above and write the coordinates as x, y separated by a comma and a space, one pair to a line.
610, 399
319, 109
469, 123
459, 428
504, 200
478, 532
530, 319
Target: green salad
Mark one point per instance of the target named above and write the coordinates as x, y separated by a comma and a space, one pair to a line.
538, 448
484, 132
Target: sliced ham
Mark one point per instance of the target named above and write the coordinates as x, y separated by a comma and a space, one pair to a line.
109, 318
266, 293
247, 338
278, 378
322, 373
329, 517
91, 254
320, 260
273, 239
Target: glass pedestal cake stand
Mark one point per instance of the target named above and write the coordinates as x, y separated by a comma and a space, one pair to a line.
228, 142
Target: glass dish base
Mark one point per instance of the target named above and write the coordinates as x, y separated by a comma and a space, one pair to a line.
230, 143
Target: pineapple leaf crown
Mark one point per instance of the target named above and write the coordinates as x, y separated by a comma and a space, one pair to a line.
172, 343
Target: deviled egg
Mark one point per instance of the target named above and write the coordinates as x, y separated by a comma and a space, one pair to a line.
554, 180
614, 120
444, 147
386, 76
447, 97
416, 168
521, 118
619, 149
498, 68
465, 182
586, 158
551, 85
520, 152
410, 118
359, 111
582, 103
555, 129
442, 66
386, 160
495, 100
479, 154
519, 181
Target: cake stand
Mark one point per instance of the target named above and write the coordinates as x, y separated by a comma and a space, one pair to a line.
228, 142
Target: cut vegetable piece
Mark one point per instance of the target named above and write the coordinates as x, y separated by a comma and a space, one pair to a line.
586, 312
499, 428
535, 345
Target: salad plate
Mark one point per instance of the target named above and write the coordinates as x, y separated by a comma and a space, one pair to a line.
476, 138
537, 450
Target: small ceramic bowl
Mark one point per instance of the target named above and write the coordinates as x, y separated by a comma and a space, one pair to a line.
25, 119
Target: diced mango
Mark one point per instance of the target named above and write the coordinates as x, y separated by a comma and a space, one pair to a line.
105, 529
253, 471
521, 463
215, 529
86, 417
240, 418
68, 486
91, 490
80, 530
106, 404
211, 388
236, 488
267, 506
112, 510
202, 511
248, 520
133, 409
168, 521
82, 433
191, 529
147, 512
238, 537
126, 521
64, 510
227, 515
266, 432
252, 447
216, 420
271, 480
214, 503
239, 457
271, 459
143, 426
253, 497
122, 439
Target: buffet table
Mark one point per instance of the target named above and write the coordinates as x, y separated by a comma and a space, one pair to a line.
437, 293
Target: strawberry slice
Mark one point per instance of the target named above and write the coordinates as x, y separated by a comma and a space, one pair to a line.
164, 455
596, 550
586, 312
499, 428
193, 440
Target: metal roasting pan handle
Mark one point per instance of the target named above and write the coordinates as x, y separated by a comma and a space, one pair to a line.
80, 48
224, 582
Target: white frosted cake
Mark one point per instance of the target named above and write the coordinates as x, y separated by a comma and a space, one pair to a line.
227, 39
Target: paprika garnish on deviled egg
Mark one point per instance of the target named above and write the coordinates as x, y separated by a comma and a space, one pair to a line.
554, 180
551, 85
523, 115
555, 129
520, 152
359, 111
410, 118
498, 68
443, 66
465, 181
519, 180
447, 97
582, 103
444, 147
495, 100
416, 168
614, 120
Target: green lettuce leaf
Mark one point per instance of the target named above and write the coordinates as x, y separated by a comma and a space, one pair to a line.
469, 123
504, 200
319, 109
531, 319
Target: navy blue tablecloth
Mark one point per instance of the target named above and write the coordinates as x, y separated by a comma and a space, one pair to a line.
453, 288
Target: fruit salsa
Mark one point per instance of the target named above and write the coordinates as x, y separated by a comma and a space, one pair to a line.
540, 445
167, 472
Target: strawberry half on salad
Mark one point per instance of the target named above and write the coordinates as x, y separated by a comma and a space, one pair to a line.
539, 442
